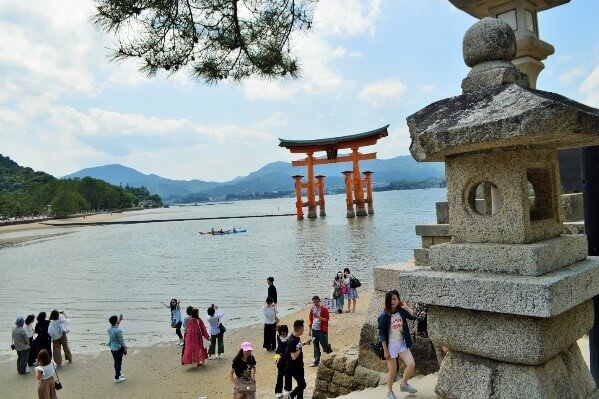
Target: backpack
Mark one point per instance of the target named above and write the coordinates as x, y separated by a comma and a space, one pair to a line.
354, 282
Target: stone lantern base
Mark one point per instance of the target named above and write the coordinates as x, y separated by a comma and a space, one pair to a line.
564, 376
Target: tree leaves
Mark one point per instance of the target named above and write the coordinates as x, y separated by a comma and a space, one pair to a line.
212, 39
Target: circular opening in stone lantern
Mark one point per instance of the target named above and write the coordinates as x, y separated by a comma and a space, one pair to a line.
484, 198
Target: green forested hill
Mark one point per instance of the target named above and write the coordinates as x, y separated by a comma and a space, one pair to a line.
24, 192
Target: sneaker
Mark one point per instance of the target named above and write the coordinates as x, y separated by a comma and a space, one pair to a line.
407, 388
278, 395
391, 395
120, 379
313, 364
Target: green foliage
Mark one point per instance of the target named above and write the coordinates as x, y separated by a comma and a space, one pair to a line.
433, 182
216, 39
25, 192
67, 203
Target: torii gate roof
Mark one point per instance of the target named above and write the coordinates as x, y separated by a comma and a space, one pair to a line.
342, 142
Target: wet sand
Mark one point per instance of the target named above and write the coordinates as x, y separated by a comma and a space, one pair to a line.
156, 372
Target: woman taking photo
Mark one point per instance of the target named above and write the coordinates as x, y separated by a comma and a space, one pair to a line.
243, 373
394, 335
44, 373
176, 320
43, 340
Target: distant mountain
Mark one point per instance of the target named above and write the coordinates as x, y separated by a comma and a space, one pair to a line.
275, 176
123, 175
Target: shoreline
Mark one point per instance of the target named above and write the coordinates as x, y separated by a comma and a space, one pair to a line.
156, 371
57, 223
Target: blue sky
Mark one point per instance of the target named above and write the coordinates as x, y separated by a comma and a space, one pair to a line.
366, 63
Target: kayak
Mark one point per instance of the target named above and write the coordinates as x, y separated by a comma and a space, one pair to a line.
224, 232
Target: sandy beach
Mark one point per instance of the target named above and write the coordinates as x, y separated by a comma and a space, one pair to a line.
156, 372
38, 230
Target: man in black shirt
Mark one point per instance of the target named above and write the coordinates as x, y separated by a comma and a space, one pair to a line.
272, 290
295, 360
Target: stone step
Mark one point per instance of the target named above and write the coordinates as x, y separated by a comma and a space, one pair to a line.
386, 277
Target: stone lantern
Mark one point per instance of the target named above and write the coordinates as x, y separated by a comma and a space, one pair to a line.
509, 295
521, 16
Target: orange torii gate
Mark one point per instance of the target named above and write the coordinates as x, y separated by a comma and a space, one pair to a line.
354, 185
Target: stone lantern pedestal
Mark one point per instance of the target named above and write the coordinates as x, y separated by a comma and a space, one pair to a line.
509, 295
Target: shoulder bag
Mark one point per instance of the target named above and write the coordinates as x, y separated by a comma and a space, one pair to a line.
57, 383
245, 386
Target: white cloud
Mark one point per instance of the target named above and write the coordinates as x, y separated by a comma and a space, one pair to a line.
383, 93
590, 88
61, 139
571, 75
345, 18
397, 143
427, 88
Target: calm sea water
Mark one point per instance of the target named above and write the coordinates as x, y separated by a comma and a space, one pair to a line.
95, 272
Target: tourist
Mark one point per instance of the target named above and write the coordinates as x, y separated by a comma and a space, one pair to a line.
243, 373
20, 343
195, 333
394, 334
318, 323
176, 321
295, 360
216, 330
272, 290
28, 327
43, 340
282, 376
58, 332
117, 346
338, 291
352, 292
44, 373
188, 311
270, 325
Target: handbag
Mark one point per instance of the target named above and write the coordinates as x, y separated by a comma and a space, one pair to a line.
344, 290
222, 328
354, 282
380, 351
245, 386
57, 383
335, 294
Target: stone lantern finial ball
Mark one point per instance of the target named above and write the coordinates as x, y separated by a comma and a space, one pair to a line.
489, 40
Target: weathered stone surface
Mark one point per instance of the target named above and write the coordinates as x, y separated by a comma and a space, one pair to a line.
533, 259
442, 211
386, 277
321, 385
574, 228
350, 364
517, 220
432, 230
489, 39
421, 256
492, 74
319, 395
324, 373
339, 364
342, 380
344, 391
509, 338
564, 376
366, 377
504, 116
327, 361
333, 390
544, 296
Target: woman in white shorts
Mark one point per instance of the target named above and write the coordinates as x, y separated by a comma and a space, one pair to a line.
394, 334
